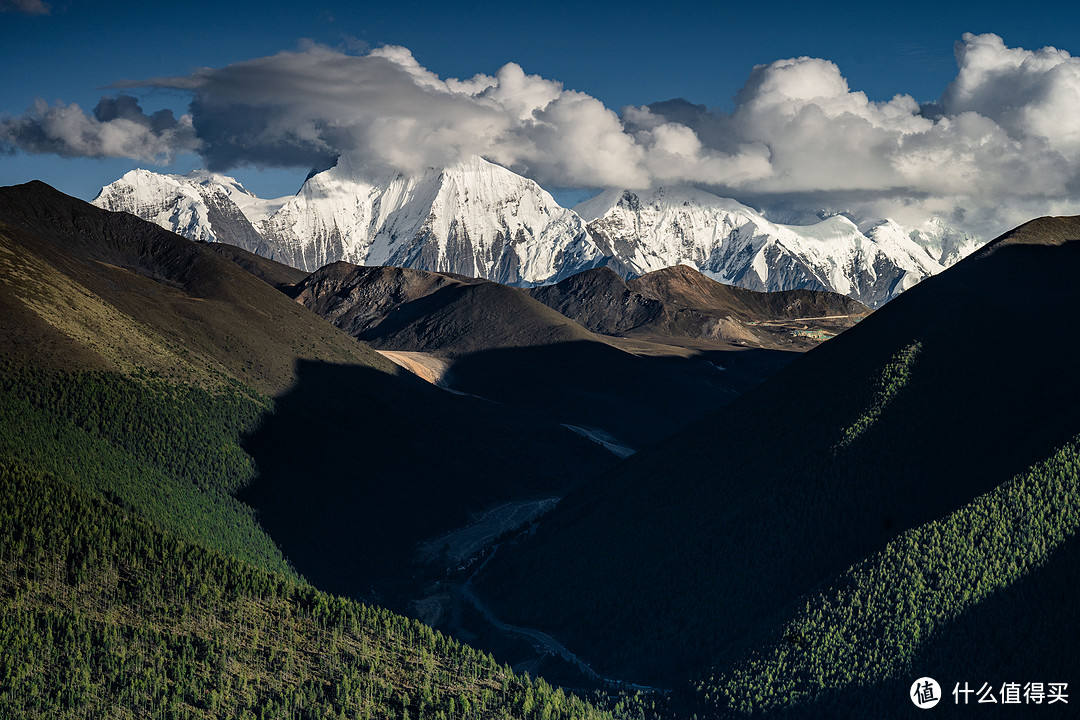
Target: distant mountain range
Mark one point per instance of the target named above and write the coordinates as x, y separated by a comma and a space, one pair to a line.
730, 242
474, 219
481, 220
544, 353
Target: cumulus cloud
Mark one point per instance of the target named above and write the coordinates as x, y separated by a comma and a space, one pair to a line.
384, 108
1002, 135
388, 111
1002, 141
1029, 94
118, 127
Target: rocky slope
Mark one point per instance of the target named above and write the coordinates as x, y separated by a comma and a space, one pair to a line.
681, 302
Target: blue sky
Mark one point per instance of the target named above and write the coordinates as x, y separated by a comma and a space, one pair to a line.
627, 53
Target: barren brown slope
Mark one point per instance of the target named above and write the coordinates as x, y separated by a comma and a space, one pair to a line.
485, 316
684, 287
279, 275
360, 299
681, 302
600, 300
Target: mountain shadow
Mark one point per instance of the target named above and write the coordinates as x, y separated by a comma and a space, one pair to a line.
937, 398
1017, 635
356, 468
637, 400
500, 343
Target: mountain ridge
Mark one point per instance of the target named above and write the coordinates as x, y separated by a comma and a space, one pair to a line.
144, 295
117, 306
737, 245
679, 301
479, 219
899, 422
499, 343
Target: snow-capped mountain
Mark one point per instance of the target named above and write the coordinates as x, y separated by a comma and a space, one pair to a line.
200, 205
479, 219
735, 244
475, 219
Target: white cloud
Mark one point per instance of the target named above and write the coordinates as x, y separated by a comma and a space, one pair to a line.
1003, 135
1029, 94
117, 128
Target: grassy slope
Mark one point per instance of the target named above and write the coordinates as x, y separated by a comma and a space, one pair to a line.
89, 291
124, 293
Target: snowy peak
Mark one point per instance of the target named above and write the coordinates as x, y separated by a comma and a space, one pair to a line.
172, 201
944, 244
479, 219
200, 205
475, 218
735, 244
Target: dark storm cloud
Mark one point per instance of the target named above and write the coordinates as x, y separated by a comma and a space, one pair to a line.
127, 107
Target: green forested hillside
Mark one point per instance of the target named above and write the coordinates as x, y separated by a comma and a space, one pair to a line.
773, 547
136, 371
104, 615
909, 608
168, 452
